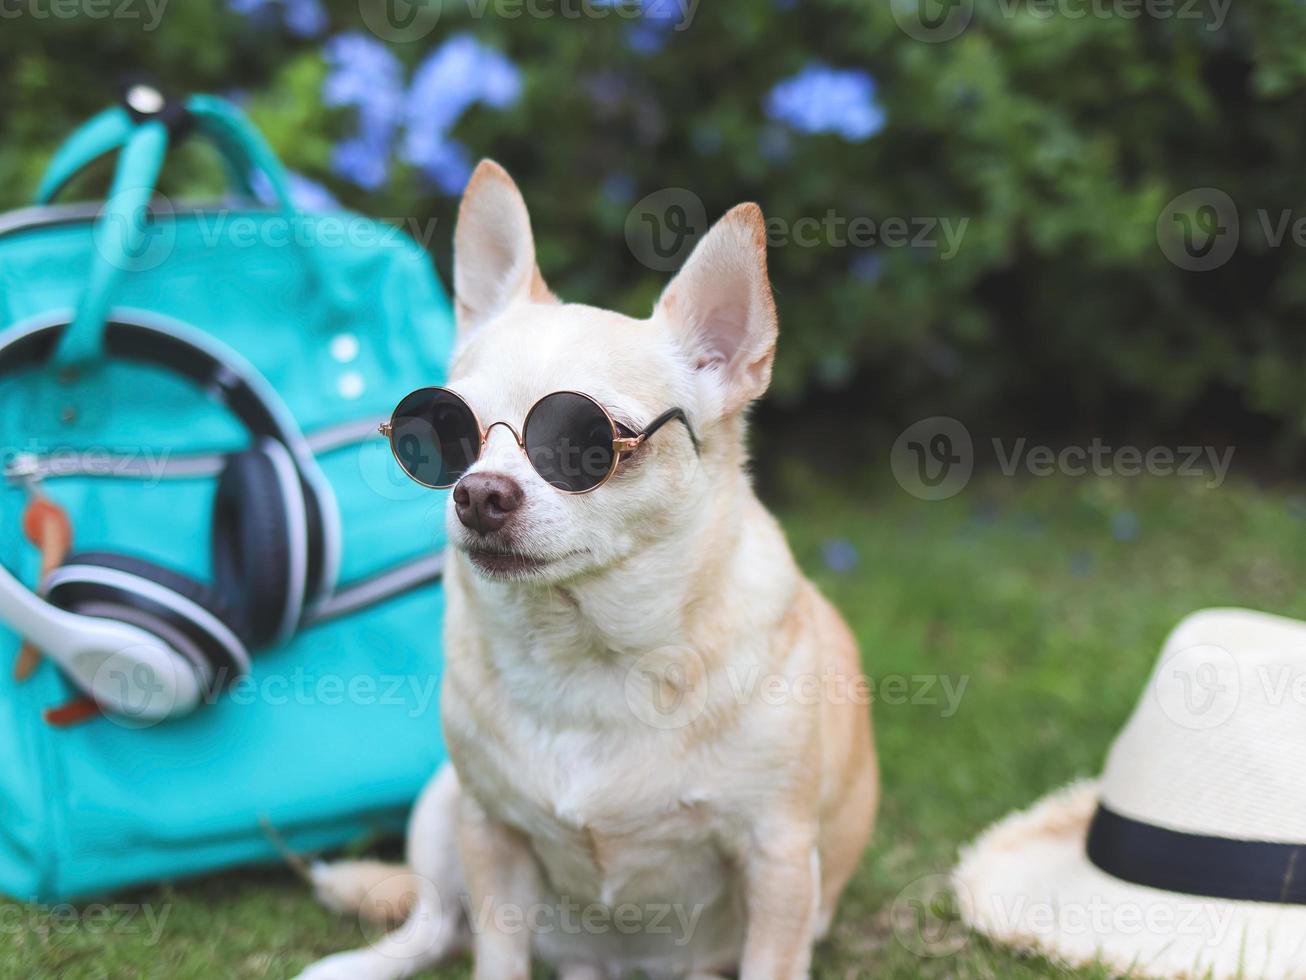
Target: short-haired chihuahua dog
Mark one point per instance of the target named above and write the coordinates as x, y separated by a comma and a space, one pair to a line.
653, 771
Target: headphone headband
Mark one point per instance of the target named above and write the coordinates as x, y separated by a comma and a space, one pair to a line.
216, 369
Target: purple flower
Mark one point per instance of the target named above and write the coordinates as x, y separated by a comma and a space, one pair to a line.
310, 195
619, 188
658, 20
306, 18
1125, 526
1082, 564
303, 18
444, 160
647, 37
365, 76
821, 99
365, 163
456, 76
306, 194
868, 267
664, 11
840, 555
774, 143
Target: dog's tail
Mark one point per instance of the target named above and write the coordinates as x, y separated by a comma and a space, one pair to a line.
386, 893
373, 890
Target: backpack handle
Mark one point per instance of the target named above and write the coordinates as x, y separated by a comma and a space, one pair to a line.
121, 232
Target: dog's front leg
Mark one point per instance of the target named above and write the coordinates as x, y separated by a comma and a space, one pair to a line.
499, 874
781, 872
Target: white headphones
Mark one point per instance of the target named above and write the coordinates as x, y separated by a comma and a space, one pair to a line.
145, 641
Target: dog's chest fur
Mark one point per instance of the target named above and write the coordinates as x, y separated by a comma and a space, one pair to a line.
541, 730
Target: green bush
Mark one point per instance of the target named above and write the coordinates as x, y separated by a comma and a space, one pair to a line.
1059, 133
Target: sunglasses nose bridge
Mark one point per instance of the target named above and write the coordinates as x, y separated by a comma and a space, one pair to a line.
485, 436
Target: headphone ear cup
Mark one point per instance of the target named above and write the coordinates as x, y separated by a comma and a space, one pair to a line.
259, 546
179, 610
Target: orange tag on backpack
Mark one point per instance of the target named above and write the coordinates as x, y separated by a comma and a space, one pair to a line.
47, 526
75, 712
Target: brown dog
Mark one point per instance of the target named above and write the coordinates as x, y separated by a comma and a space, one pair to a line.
660, 761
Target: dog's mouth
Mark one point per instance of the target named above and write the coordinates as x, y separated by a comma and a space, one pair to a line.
507, 564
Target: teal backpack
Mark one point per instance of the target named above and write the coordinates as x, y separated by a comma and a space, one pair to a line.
198, 389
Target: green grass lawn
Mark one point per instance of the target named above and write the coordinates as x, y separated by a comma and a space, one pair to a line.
1048, 599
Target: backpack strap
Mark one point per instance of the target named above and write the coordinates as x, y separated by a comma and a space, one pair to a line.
120, 233
142, 138
109, 131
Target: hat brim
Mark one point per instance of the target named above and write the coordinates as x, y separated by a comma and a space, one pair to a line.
1027, 883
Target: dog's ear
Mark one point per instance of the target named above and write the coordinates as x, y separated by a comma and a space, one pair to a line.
494, 251
720, 306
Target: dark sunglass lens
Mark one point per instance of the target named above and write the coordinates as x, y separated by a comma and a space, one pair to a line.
435, 437
569, 442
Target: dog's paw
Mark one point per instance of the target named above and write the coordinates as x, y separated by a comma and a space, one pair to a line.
359, 964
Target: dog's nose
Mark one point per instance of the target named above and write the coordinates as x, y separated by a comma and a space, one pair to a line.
485, 501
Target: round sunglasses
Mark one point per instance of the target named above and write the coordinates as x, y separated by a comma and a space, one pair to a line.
571, 440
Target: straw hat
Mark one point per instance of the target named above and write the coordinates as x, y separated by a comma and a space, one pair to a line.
1188, 857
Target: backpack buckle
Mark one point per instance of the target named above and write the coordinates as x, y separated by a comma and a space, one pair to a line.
147, 103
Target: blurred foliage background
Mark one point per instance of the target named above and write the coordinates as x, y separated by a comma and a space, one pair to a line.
1055, 133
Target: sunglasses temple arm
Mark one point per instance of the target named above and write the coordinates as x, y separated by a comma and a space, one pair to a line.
670, 415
